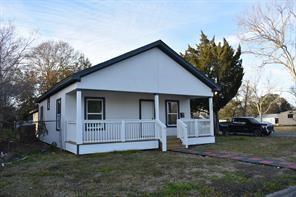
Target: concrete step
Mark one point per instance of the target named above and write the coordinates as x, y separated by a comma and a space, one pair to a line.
174, 143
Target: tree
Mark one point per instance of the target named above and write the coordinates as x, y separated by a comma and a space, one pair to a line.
54, 61
270, 33
262, 98
26, 99
232, 109
12, 53
220, 63
245, 95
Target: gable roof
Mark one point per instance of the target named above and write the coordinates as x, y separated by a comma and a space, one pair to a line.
159, 44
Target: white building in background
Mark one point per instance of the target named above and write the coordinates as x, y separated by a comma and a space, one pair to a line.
271, 118
131, 102
287, 118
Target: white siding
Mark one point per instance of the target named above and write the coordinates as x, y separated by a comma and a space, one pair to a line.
50, 116
120, 105
151, 72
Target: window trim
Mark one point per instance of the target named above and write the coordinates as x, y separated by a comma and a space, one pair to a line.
140, 107
86, 105
60, 119
41, 113
48, 103
166, 112
290, 116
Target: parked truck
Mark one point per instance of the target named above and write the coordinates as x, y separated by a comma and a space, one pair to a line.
246, 125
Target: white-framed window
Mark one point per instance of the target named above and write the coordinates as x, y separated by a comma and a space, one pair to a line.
48, 103
58, 114
172, 113
94, 108
41, 118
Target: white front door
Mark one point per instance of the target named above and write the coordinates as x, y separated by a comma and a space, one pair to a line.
146, 109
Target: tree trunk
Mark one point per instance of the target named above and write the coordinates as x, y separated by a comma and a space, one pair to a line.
216, 123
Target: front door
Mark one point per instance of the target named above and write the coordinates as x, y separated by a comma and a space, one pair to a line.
146, 109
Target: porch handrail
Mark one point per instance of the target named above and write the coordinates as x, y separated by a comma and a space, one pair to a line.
182, 132
160, 128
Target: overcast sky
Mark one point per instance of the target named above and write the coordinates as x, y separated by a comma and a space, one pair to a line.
105, 29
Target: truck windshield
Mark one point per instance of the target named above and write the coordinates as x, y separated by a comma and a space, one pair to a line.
253, 120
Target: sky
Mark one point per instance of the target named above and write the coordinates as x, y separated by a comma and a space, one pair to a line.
105, 29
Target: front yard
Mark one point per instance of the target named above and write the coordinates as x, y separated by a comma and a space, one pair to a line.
52, 172
271, 147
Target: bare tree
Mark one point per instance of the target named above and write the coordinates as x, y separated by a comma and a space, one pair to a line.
245, 95
270, 32
260, 96
12, 53
53, 61
293, 91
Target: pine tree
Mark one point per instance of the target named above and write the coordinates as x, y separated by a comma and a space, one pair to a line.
221, 63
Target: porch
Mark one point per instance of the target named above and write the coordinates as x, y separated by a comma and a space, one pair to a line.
118, 127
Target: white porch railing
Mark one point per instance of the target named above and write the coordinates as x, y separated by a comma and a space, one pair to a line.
198, 127
103, 131
161, 133
193, 128
182, 132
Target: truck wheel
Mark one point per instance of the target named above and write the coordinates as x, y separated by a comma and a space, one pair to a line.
257, 133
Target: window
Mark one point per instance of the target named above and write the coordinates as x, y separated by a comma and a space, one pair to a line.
172, 113
94, 109
41, 113
48, 104
290, 115
58, 114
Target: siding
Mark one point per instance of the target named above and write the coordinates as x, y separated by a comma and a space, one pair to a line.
284, 120
120, 105
149, 72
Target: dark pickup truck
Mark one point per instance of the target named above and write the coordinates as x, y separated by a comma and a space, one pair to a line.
246, 125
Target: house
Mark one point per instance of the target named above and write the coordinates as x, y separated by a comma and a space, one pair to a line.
34, 118
287, 118
271, 118
131, 102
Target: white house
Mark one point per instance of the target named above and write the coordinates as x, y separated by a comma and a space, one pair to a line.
131, 102
287, 118
271, 118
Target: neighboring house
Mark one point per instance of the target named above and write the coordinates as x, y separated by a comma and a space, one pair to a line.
34, 118
271, 118
131, 102
33, 115
287, 118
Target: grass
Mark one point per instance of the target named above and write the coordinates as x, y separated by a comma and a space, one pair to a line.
271, 147
285, 128
141, 173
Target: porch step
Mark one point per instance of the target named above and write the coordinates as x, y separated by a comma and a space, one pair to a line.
173, 143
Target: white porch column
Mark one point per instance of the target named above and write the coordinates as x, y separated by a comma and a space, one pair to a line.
211, 114
156, 106
78, 117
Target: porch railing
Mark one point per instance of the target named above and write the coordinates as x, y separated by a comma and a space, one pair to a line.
103, 131
182, 132
192, 128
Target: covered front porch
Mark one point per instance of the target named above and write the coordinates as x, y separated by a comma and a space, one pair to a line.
105, 121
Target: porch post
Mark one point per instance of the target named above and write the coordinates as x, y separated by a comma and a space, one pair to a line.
211, 115
78, 117
156, 106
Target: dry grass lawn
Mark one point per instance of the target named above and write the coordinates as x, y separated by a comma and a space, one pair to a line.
271, 147
50, 172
